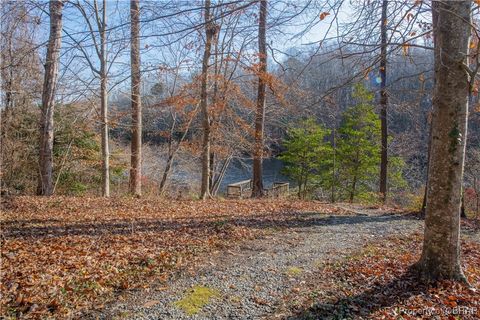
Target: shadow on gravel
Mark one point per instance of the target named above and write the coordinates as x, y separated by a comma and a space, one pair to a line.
367, 302
37, 229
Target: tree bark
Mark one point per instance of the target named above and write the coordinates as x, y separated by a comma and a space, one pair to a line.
136, 146
257, 188
209, 34
211, 168
334, 145
104, 105
441, 249
166, 173
45, 181
477, 195
424, 202
383, 104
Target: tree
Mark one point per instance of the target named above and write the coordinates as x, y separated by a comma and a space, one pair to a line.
21, 80
96, 23
440, 257
104, 99
257, 188
358, 146
383, 103
307, 156
210, 30
136, 145
45, 181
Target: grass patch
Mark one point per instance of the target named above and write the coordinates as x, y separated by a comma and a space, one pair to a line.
196, 299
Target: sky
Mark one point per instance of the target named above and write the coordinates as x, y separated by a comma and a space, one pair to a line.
304, 33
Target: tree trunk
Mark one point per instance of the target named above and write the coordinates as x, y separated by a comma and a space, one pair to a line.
136, 151
209, 33
463, 214
221, 174
424, 202
211, 166
257, 189
383, 104
166, 172
441, 249
45, 181
477, 195
172, 151
104, 106
334, 164
354, 186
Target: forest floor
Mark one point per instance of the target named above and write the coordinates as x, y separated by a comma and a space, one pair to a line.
247, 259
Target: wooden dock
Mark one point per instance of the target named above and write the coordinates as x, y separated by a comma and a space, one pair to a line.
243, 189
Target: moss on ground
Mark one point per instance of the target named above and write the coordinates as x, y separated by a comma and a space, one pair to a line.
294, 271
196, 299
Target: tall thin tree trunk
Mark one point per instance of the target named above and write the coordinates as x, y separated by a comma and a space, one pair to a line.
136, 146
221, 174
209, 34
477, 195
257, 188
211, 168
166, 172
45, 181
424, 202
441, 248
104, 105
172, 151
354, 186
383, 103
334, 163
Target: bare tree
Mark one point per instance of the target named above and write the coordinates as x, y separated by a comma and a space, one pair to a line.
97, 31
45, 181
441, 249
210, 30
257, 189
21, 80
104, 98
383, 102
136, 145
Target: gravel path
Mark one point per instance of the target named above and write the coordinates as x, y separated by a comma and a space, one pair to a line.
251, 277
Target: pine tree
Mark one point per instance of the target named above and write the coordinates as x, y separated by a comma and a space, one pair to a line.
307, 156
358, 147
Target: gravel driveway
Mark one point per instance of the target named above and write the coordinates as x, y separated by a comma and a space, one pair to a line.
249, 279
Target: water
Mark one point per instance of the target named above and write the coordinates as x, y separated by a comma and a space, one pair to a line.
242, 170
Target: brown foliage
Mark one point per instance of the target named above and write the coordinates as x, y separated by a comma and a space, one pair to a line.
378, 283
63, 255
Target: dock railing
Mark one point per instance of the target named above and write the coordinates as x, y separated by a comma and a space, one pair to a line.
243, 189
239, 189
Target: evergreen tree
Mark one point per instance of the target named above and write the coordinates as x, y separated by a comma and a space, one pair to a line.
307, 156
359, 144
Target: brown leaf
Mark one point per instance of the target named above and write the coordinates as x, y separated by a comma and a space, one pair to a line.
150, 303
323, 15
